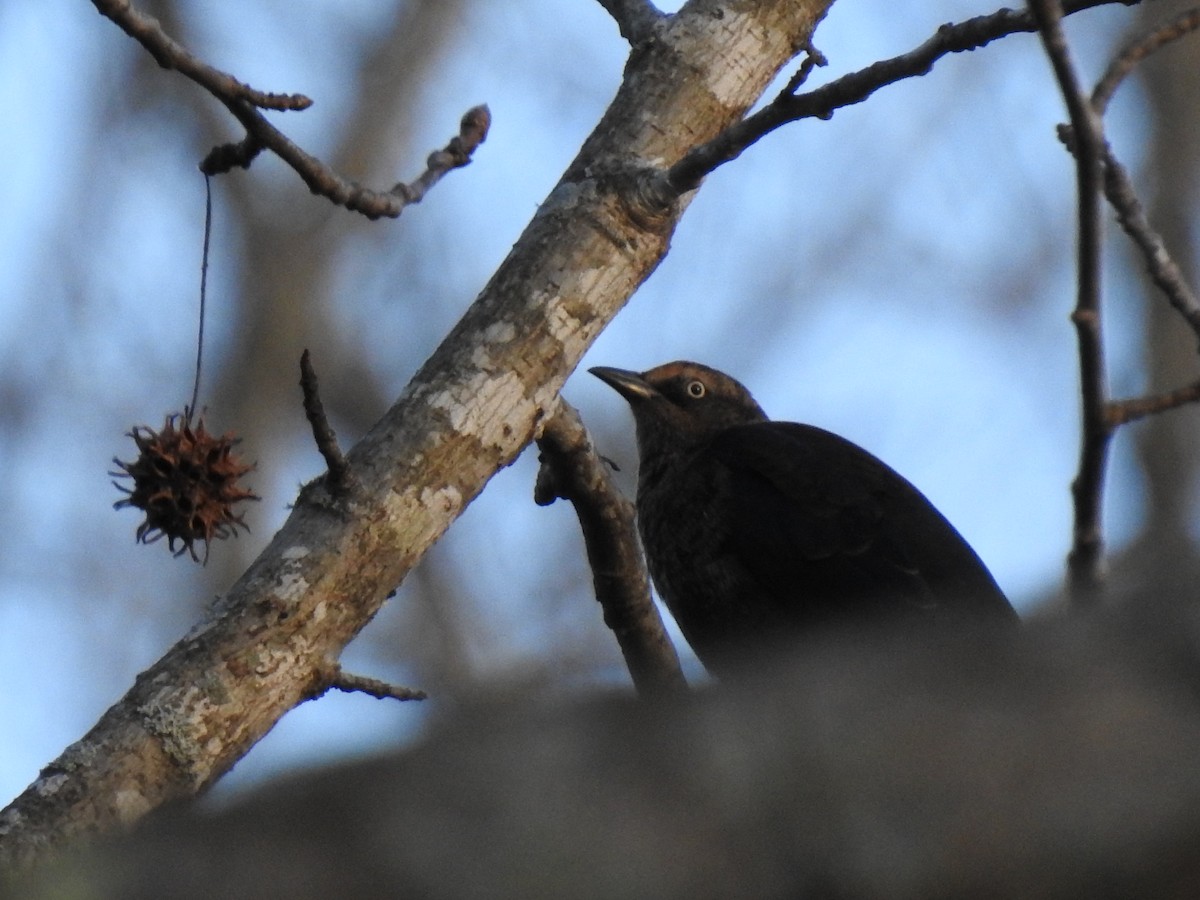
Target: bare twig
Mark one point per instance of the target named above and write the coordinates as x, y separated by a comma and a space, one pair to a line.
472, 131
572, 470
813, 58
338, 680
245, 102
1162, 268
171, 55
635, 18
1121, 412
1118, 187
1119, 190
1096, 169
854, 88
323, 434
1139, 49
1085, 562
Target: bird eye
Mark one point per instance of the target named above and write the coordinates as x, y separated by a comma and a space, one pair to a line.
696, 389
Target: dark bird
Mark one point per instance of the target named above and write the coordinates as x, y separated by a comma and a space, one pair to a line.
756, 531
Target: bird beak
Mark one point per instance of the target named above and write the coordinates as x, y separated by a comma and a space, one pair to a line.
630, 385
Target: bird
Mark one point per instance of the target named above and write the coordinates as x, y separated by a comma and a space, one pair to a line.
760, 532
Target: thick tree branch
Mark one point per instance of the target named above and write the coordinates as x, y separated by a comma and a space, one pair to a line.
244, 102
571, 469
469, 411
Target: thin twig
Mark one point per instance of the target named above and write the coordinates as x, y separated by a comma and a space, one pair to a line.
572, 470
323, 434
170, 54
1121, 412
1139, 49
472, 131
1085, 562
854, 88
244, 103
340, 680
1118, 188
813, 59
635, 19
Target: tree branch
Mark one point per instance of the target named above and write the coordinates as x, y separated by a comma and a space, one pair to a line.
853, 88
1121, 412
1136, 51
571, 469
338, 679
1084, 138
321, 179
1118, 188
169, 54
244, 102
636, 19
323, 433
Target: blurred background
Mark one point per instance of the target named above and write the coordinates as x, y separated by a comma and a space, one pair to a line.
901, 274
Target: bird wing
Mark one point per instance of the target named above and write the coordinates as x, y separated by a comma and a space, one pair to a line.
827, 528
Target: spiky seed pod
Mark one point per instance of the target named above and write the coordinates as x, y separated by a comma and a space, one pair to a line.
186, 482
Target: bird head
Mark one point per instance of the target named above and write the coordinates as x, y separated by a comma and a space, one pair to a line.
680, 405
